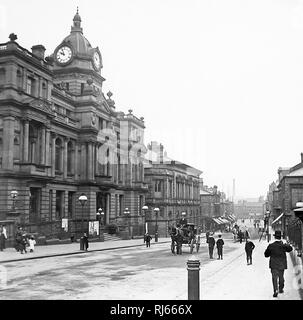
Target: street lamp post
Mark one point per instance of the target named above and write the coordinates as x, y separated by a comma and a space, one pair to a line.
99, 217
82, 200
144, 209
14, 195
127, 212
156, 211
266, 220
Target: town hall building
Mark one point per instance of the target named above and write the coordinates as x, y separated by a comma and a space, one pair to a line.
61, 137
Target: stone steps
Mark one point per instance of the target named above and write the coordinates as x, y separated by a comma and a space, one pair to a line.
111, 237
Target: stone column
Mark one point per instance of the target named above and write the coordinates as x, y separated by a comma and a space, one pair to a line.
43, 146
97, 171
65, 215
65, 158
53, 154
25, 140
75, 168
83, 161
47, 140
108, 199
8, 142
90, 161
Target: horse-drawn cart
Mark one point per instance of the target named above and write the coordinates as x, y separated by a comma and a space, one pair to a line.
187, 235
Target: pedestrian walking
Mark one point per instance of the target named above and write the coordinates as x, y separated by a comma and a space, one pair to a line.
211, 245
147, 239
32, 243
3, 237
85, 242
249, 247
220, 244
207, 235
24, 243
276, 251
240, 235
18, 239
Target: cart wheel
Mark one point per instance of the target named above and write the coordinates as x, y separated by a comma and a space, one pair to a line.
198, 247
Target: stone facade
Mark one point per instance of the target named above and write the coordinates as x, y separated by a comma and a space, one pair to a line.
61, 137
213, 204
283, 197
173, 188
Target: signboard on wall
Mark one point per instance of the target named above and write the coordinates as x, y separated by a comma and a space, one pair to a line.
93, 228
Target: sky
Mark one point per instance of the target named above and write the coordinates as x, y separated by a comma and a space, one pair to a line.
218, 82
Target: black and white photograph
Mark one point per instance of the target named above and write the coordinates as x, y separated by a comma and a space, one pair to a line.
151, 150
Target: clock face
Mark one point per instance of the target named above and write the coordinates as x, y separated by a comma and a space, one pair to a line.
64, 54
97, 60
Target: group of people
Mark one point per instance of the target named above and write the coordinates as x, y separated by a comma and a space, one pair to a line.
23, 240
212, 243
276, 251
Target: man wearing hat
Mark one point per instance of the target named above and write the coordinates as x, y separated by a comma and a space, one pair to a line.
277, 262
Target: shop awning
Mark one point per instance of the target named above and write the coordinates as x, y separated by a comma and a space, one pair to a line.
217, 220
277, 219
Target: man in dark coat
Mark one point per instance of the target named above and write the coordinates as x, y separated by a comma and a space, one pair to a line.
85, 242
249, 247
211, 244
220, 244
278, 262
147, 239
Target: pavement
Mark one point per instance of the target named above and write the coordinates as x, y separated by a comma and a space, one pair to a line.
46, 251
233, 279
227, 279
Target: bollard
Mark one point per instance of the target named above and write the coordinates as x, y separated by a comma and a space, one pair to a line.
193, 267
81, 243
156, 237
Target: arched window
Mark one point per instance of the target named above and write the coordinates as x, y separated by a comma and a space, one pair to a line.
19, 79
59, 155
16, 149
44, 90
70, 157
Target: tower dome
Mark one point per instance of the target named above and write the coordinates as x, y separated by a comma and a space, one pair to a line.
76, 38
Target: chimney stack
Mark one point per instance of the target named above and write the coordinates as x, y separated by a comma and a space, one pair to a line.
38, 51
301, 156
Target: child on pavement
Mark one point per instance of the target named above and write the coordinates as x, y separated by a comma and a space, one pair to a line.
32, 243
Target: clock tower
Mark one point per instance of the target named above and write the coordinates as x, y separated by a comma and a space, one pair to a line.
76, 62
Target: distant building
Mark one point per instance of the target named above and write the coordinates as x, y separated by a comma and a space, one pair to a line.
283, 197
249, 209
215, 210
173, 188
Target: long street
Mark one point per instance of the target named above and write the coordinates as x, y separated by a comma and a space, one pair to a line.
140, 273
129, 273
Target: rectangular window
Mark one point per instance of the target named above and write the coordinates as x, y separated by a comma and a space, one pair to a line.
71, 204
82, 88
158, 184
100, 123
29, 85
59, 204
121, 205
34, 204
